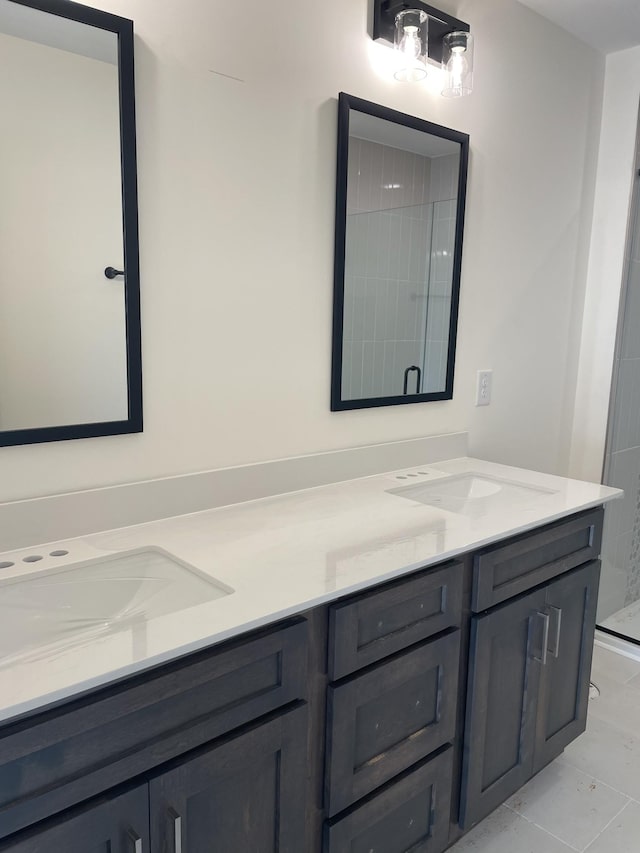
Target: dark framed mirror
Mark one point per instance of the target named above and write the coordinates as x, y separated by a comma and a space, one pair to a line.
400, 200
70, 359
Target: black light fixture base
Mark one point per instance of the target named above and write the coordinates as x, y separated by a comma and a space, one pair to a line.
384, 22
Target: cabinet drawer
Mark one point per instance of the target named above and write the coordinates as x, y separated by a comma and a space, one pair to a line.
53, 760
506, 570
383, 721
411, 814
369, 627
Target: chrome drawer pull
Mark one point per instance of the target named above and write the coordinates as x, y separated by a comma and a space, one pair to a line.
558, 617
135, 839
545, 637
177, 830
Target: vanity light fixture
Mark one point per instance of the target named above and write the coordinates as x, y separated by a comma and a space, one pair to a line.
422, 34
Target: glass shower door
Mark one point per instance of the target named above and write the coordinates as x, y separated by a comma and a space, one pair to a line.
619, 600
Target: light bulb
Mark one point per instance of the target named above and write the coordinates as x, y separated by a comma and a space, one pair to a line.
457, 63
457, 69
410, 44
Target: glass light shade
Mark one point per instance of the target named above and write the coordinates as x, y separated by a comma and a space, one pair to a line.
411, 45
457, 64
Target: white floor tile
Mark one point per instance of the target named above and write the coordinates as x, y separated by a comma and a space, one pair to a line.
622, 835
506, 832
610, 754
618, 704
613, 666
634, 682
569, 804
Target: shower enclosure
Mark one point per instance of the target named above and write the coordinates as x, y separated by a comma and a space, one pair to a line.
619, 602
396, 327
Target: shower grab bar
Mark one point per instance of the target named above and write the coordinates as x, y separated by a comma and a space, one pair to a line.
406, 378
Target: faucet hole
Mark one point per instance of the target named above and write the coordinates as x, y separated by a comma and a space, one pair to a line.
32, 558
60, 553
6, 565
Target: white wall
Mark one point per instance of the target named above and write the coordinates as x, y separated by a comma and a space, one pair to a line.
236, 182
606, 262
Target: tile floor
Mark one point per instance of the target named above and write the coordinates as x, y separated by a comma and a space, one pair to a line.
588, 800
625, 621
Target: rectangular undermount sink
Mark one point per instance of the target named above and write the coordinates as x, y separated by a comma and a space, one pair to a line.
471, 493
58, 609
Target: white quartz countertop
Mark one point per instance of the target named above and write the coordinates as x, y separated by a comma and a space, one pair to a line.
280, 555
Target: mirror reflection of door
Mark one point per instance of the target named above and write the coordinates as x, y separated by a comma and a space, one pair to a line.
63, 349
397, 290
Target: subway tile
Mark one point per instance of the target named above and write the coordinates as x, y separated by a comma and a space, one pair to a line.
376, 176
390, 379
378, 369
372, 260
356, 369
347, 314
368, 380
624, 473
624, 414
358, 315
347, 350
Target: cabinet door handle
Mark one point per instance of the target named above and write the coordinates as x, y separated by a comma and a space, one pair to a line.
557, 614
545, 637
135, 839
177, 830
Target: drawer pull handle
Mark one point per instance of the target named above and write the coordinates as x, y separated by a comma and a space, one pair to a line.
135, 839
545, 637
177, 830
557, 613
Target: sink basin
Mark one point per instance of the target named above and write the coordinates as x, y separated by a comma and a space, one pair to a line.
62, 608
470, 493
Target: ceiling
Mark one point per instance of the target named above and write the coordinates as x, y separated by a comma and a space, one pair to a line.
608, 25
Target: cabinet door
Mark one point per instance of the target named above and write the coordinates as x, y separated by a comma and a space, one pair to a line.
564, 679
119, 824
505, 646
245, 794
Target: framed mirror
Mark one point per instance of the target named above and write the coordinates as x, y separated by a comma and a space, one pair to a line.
400, 201
70, 362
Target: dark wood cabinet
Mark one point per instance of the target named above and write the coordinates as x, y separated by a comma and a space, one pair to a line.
570, 603
381, 722
118, 824
388, 721
58, 758
500, 717
410, 816
246, 793
527, 689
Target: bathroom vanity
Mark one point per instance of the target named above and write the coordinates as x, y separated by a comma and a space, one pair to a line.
389, 713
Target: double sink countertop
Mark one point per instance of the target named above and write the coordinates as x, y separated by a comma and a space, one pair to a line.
85, 612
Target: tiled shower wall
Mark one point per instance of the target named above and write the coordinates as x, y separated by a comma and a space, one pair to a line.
400, 237
620, 584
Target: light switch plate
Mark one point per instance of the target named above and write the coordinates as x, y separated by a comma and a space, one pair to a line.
483, 387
